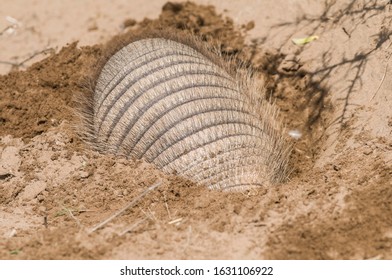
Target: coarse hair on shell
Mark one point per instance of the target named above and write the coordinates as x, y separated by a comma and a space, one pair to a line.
236, 165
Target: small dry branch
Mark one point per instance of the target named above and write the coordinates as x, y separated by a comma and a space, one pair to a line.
21, 63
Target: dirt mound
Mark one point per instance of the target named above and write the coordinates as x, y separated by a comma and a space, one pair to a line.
54, 189
35, 100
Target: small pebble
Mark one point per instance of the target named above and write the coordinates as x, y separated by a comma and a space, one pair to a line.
368, 151
84, 174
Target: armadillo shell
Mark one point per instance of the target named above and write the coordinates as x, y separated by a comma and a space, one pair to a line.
168, 103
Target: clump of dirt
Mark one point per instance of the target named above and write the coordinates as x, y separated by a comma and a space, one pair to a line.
37, 99
200, 20
54, 190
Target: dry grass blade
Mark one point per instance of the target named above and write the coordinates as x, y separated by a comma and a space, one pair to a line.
167, 206
69, 211
383, 77
135, 225
175, 221
126, 207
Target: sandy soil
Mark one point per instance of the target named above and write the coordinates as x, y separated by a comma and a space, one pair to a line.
335, 91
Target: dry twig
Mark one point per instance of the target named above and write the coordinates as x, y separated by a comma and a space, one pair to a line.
18, 64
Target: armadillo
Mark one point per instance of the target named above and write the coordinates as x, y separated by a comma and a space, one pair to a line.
177, 103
